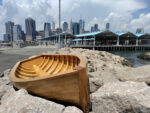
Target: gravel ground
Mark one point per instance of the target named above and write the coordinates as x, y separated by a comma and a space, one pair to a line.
9, 57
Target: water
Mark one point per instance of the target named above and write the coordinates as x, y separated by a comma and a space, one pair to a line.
132, 57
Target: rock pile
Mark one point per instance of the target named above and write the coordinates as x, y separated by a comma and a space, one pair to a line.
111, 87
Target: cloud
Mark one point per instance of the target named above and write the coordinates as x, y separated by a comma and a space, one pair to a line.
121, 5
142, 21
119, 22
118, 12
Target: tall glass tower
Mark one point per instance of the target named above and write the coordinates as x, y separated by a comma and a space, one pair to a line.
65, 26
30, 27
81, 25
9, 31
47, 29
107, 26
75, 28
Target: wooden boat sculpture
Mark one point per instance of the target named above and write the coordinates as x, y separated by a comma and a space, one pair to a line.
58, 77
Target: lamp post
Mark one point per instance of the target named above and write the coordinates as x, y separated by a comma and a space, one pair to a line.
59, 22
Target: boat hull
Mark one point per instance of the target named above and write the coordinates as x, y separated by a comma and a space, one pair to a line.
70, 86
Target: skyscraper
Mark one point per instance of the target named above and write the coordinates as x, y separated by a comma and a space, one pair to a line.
53, 26
65, 26
30, 29
9, 31
140, 31
75, 28
23, 36
107, 26
17, 32
92, 29
96, 27
71, 27
81, 25
47, 29
6, 37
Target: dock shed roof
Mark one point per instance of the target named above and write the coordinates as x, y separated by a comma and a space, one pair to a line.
145, 36
99, 33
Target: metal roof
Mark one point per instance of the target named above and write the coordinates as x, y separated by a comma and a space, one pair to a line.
92, 34
119, 33
88, 34
83, 39
96, 33
139, 35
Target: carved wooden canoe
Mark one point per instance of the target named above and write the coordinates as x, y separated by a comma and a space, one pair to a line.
58, 77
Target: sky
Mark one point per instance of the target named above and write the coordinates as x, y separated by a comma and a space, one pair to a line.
123, 15
0, 2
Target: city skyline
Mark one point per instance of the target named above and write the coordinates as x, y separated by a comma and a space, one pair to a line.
123, 16
49, 29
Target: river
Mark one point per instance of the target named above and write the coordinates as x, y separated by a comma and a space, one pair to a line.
132, 57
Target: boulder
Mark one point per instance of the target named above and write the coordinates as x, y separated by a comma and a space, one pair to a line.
22, 102
4, 89
145, 56
139, 74
96, 74
104, 75
4, 79
5, 84
95, 81
72, 109
95, 84
122, 97
5, 73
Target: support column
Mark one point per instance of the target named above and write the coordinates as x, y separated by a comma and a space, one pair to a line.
84, 41
136, 41
57, 39
65, 39
118, 41
77, 42
94, 43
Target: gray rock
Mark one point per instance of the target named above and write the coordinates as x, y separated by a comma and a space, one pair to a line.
95, 84
109, 75
145, 56
72, 109
4, 89
5, 73
122, 97
5, 84
140, 74
4, 78
22, 102
96, 74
